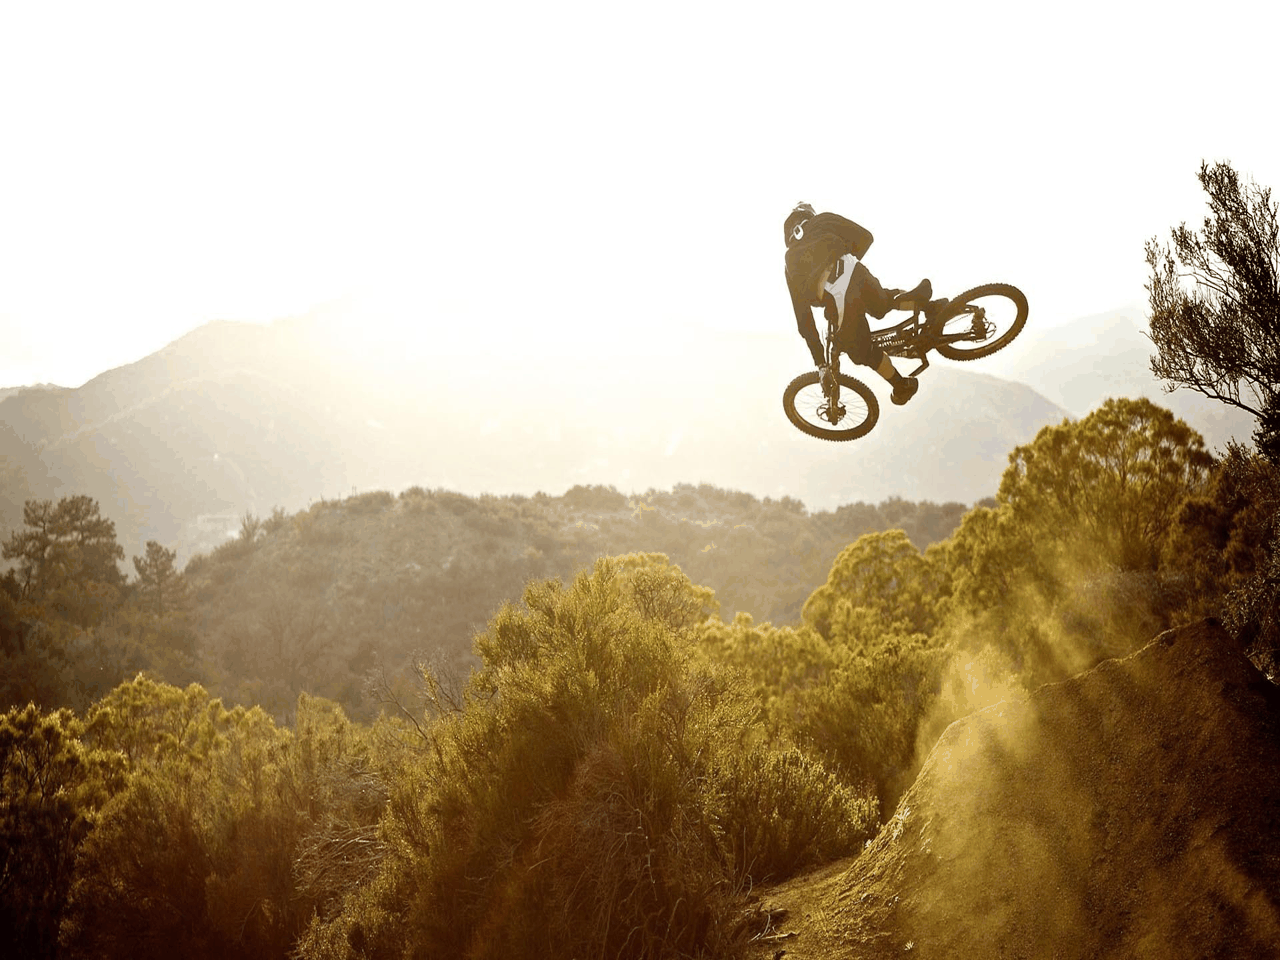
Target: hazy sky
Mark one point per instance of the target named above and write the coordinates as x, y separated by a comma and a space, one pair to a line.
587, 173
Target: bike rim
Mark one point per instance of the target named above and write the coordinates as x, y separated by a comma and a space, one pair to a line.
983, 320
813, 406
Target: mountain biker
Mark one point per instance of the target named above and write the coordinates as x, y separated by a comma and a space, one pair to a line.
824, 269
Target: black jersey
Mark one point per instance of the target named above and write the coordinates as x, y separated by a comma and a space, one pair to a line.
824, 239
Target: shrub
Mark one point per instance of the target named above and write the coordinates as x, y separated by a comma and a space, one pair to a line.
602, 791
786, 812
374, 502
196, 856
863, 722
599, 498
51, 790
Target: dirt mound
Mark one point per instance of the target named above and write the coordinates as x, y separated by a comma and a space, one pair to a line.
1132, 811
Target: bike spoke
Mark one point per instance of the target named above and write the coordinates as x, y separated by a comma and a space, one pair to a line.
982, 321
812, 404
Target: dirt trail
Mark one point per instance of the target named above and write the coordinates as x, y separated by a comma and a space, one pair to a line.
1132, 811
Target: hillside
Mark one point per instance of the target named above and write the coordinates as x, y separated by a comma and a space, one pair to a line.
623, 760
1133, 811
23, 476
317, 598
235, 418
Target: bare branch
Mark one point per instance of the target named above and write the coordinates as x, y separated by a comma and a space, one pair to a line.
1215, 299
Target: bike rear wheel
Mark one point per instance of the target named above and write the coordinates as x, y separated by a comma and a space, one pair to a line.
810, 409
992, 314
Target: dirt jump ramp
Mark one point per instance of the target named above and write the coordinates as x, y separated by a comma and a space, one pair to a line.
1130, 812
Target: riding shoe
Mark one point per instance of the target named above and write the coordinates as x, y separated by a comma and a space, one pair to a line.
904, 389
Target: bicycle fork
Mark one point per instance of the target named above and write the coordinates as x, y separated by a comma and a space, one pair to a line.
832, 410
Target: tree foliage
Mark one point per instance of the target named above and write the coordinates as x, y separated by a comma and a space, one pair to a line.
1220, 335
159, 580
602, 790
321, 599
622, 765
66, 558
863, 723
70, 626
196, 855
1224, 544
1106, 486
880, 575
780, 663
52, 788
1069, 566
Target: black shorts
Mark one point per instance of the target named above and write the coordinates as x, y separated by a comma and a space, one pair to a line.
855, 293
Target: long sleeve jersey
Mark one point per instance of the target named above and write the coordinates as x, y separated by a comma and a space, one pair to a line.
826, 238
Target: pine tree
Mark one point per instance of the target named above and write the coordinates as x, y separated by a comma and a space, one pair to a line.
158, 578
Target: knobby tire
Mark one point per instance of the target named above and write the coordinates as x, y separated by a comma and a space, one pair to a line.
857, 429
954, 351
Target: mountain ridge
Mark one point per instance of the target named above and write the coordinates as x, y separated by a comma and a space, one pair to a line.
1080, 364
236, 417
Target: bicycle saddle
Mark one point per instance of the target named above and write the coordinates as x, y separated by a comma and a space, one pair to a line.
921, 295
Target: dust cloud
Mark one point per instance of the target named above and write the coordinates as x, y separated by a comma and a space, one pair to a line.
1131, 811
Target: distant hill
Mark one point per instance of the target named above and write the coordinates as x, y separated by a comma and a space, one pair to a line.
1082, 363
322, 595
11, 391
23, 476
236, 418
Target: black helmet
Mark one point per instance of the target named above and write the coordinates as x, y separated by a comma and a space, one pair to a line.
793, 226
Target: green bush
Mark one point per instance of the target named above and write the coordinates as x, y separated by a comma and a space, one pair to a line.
863, 722
203, 853
786, 813
52, 788
596, 497
603, 790
374, 502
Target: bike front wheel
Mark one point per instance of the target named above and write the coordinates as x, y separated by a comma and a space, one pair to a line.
982, 320
846, 413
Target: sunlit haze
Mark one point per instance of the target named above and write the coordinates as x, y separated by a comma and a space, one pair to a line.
425, 532
588, 174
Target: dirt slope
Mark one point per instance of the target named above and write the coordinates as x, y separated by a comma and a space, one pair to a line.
1132, 811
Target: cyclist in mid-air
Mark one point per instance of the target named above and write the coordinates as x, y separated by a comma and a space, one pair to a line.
824, 269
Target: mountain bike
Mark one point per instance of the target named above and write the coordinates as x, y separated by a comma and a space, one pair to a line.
975, 324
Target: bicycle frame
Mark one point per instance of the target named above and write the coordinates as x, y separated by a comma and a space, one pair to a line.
844, 408
913, 340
